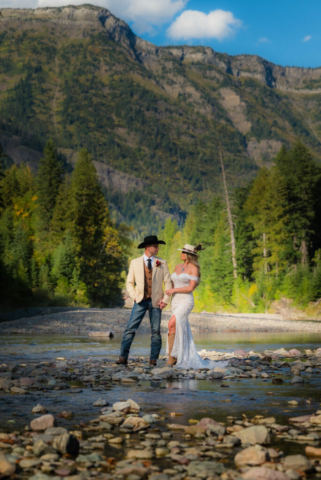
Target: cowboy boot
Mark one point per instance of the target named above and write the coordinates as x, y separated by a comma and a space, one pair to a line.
171, 360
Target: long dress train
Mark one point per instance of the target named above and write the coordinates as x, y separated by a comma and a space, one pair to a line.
184, 348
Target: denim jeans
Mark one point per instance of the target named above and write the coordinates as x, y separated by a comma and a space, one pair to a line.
137, 315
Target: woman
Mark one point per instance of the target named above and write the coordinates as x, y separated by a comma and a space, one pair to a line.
180, 344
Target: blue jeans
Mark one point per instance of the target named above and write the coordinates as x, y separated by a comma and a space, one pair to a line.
137, 315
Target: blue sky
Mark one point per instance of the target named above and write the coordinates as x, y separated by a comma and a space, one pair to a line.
286, 32
274, 30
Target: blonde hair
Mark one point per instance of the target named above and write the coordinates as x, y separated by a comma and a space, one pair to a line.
194, 261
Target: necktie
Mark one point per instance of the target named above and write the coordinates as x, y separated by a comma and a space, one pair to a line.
149, 264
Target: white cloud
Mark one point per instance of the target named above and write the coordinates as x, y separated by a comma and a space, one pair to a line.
264, 40
191, 24
145, 14
307, 38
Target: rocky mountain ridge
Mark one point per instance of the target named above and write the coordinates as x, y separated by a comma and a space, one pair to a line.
151, 116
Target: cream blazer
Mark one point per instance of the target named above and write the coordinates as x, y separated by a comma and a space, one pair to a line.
136, 279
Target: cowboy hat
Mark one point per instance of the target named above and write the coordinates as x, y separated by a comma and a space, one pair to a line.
191, 249
151, 240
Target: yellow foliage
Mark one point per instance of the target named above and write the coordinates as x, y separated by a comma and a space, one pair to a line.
34, 198
252, 289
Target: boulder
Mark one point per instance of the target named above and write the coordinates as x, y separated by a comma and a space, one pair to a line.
297, 462
251, 456
261, 473
253, 435
43, 422
301, 419
134, 407
66, 443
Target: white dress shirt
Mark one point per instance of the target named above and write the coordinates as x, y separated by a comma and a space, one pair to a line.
147, 258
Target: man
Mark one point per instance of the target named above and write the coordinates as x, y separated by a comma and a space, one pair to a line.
145, 280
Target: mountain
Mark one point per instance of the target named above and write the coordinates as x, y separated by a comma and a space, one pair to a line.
152, 117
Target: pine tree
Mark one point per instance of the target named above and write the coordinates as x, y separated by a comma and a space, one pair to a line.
96, 242
300, 174
48, 181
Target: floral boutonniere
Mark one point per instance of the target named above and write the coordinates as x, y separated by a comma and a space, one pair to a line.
158, 263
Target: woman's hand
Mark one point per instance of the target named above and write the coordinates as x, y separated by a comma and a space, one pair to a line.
170, 291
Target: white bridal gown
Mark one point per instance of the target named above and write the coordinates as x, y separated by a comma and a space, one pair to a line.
184, 348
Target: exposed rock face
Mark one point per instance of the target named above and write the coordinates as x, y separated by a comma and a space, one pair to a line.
78, 21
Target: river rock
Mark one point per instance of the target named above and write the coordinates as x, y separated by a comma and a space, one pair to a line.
297, 379
56, 431
6, 468
39, 409
149, 419
29, 463
136, 423
313, 452
164, 372
42, 423
294, 352
140, 454
134, 407
251, 456
215, 375
101, 402
252, 435
5, 384
297, 462
316, 419
261, 473
241, 353
204, 468
123, 407
66, 444
40, 447
300, 419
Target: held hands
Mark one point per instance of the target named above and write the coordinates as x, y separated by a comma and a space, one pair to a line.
170, 291
162, 305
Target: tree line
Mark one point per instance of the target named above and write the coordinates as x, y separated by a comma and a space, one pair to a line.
58, 243
277, 230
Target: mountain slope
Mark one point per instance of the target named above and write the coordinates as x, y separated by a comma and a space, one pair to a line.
80, 76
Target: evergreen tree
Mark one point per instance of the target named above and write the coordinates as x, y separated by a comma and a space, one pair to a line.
300, 174
49, 179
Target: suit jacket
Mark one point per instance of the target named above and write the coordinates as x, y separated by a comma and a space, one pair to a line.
136, 278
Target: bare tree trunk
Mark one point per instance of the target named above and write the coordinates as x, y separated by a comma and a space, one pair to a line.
304, 251
229, 216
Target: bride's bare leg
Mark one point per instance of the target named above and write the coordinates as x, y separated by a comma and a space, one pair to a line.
172, 325
171, 339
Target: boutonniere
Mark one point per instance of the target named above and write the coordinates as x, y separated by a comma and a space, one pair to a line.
158, 263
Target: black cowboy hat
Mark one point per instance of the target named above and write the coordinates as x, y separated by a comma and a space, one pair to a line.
151, 240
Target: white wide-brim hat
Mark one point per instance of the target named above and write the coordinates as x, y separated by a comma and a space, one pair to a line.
188, 249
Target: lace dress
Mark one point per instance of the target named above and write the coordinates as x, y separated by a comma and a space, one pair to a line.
184, 348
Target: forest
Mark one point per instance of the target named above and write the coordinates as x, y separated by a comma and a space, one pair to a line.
58, 244
276, 223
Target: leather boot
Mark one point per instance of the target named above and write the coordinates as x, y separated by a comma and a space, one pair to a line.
122, 361
171, 339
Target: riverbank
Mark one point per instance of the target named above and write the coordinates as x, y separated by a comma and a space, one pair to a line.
88, 418
84, 321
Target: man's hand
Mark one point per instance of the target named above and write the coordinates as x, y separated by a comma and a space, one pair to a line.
162, 305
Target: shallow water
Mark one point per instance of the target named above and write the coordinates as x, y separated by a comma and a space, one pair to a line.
48, 347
